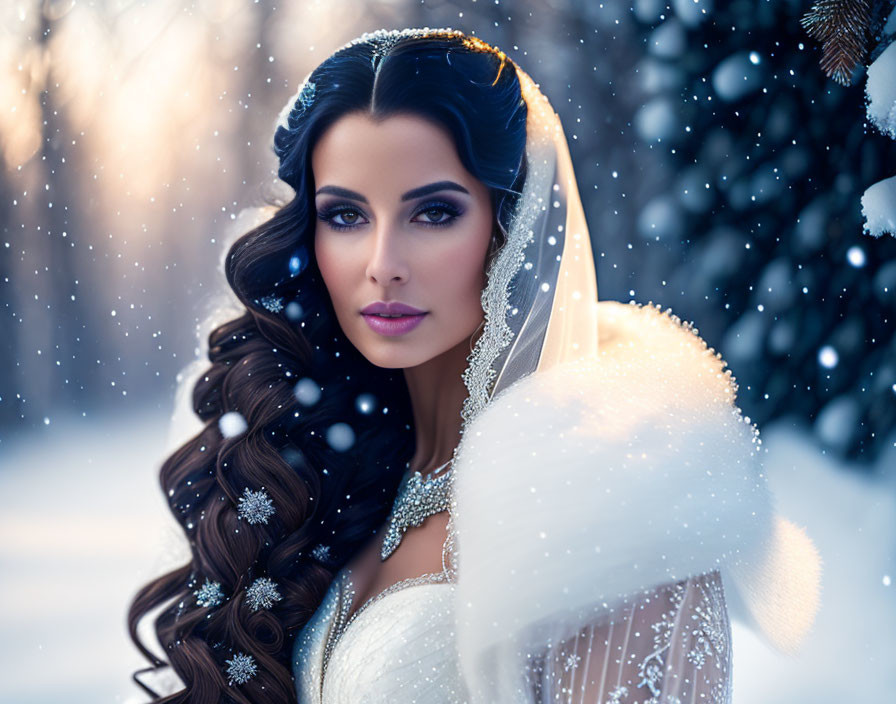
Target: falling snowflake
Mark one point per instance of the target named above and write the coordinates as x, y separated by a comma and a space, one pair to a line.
306, 391
232, 424
262, 593
241, 668
255, 506
340, 436
209, 594
271, 302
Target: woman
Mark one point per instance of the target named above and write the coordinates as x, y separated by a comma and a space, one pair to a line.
509, 492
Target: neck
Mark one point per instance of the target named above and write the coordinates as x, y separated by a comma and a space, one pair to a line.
437, 395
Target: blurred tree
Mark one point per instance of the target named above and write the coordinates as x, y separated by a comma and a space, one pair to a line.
53, 361
772, 158
12, 327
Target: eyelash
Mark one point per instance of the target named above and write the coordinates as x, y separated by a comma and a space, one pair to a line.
328, 215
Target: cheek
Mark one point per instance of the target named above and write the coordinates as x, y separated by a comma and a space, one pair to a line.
333, 268
458, 277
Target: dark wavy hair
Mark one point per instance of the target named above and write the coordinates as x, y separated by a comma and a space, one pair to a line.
329, 464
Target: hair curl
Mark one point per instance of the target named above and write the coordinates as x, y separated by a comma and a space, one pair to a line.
328, 499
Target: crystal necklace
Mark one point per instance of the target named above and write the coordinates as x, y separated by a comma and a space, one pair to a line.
417, 498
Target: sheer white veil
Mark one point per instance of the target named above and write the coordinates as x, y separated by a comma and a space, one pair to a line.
540, 300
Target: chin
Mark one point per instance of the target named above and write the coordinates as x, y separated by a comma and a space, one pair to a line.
392, 355
385, 362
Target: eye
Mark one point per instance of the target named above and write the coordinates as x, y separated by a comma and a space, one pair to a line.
439, 213
348, 215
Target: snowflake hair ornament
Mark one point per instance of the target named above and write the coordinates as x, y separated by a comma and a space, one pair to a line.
262, 594
209, 594
321, 552
240, 669
255, 506
305, 97
299, 103
272, 303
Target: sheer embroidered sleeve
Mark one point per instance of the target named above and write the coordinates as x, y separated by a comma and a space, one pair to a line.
669, 646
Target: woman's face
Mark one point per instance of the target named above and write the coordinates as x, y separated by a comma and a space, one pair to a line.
400, 220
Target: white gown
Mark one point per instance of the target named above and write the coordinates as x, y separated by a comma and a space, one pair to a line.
671, 646
609, 517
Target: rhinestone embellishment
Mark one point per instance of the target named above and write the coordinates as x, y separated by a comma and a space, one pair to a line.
417, 498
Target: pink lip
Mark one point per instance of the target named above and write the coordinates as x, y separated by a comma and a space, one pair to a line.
391, 308
393, 326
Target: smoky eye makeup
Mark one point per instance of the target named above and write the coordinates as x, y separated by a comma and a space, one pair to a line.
436, 212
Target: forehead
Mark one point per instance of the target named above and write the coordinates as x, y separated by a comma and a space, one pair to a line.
398, 153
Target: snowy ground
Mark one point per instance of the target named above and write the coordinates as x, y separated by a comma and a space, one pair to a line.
83, 524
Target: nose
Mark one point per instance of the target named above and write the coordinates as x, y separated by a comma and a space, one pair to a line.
387, 262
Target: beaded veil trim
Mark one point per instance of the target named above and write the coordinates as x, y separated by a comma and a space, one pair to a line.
480, 373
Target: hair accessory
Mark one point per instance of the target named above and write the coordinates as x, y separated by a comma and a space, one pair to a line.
271, 302
321, 552
255, 506
209, 594
262, 593
382, 36
241, 668
306, 97
382, 45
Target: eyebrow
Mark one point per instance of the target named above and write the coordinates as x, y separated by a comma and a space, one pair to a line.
410, 195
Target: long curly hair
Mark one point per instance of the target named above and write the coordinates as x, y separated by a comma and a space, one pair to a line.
305, 441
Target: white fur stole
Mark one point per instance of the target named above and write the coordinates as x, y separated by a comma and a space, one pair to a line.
584, 484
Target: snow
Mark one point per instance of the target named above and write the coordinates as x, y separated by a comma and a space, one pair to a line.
232, 424
307, 392
851, 517
86, 525
855, 255
340, 436
879, 208
365, 403
880, 92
